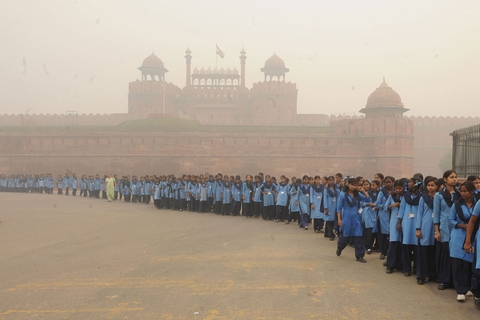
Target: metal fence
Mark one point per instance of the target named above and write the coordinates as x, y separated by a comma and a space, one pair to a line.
466, 151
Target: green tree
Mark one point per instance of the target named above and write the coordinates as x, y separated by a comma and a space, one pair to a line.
446, 162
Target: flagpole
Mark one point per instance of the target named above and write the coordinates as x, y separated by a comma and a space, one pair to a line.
216, 55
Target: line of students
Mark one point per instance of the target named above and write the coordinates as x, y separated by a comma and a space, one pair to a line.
432, 223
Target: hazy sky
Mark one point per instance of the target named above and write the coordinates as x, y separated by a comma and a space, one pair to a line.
59, 55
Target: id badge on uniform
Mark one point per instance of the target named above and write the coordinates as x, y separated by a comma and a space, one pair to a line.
360, 211
433, 215
411, 215
307, 195
318, 197
250, 191
283, 192
238, 192
269, 193
334, 199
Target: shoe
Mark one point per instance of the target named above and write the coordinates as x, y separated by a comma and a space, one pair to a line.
245, 217
461, 297
316, 231
441, 286
420, 282
306, 228
382, 257
406, 274
369, 251
339, 252
385, 264
469, 294
276, 220
351, 245
332, 239
321, 231
476, 301
361, 260
389, 271
288, 222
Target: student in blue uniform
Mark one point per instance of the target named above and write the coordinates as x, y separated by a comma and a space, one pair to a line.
281, 199
258, 197
226, 196
302, 201
293, 206
247, 197
203, 193
102, 184
331, 197
459, 217
156, 193
406, 223
97, 184
442, 205
317, 198
472, 246
147, 191
127, 191
350, 220
133, 189
237, 188
369, 215
425, 267
66, 183
211, 188
268, 191
74, 184
181, 193
60, 184
384, 215
218, 194
91, 187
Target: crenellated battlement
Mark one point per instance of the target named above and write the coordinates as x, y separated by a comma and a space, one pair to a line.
153, 87
274, 87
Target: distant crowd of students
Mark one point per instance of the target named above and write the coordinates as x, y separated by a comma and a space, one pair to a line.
425, 226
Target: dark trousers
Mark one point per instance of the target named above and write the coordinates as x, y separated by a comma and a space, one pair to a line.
394, 255
443, 262
197, 205
203, 206
236, 207
292, 216
66, 190
60, 191
408, 255
218, 207
303, 220
461, 274
359, 243
183, 204
115, 195
368, 236
281, 213
318, 224
127, 197
425, 266
146, 199
225, 209
383, 243
329, 229
156, 203
247, 209
268, 212
258, 208
209, 204
74, 192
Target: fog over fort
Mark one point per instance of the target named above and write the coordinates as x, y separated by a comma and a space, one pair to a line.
81, 55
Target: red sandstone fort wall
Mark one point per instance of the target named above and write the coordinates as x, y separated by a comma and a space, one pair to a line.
228, 153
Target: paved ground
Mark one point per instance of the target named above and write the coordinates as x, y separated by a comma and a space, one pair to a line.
78, 258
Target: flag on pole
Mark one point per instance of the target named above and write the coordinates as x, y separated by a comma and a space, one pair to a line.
220, 52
